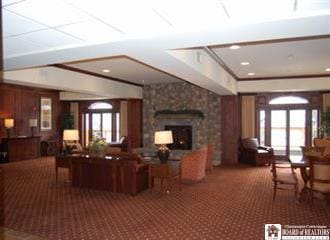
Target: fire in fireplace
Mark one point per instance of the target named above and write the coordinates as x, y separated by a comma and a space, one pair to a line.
182, 137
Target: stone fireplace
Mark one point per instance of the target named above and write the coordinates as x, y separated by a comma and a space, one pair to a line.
180, 98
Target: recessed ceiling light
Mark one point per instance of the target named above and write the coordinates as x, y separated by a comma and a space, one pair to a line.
245, 63
234, 47
251, 74
327, 69
106, 70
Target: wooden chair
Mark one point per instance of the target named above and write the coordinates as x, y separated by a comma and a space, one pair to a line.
323, 142
319, 177
313, 151
283, 175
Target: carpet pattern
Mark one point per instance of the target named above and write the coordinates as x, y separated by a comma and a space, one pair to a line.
231, 203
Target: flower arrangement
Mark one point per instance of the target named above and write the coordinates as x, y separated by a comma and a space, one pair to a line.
98, 147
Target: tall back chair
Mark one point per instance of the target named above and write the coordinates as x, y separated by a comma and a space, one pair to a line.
323, 142
319, 180
313, 151
283, 176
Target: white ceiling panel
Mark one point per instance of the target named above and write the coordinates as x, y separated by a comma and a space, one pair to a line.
316, 5
14, 24
296, 58
256, 10
189, 15
126, 69
10, 2
17, 45
50, 38
93, 31
48, 12
129, 17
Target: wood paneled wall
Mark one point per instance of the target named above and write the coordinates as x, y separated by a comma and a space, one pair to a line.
230, 129
134, 122
23, 103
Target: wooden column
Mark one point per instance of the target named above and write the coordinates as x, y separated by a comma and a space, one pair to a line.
230, 129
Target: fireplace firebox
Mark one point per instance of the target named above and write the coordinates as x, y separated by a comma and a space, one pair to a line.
182, 137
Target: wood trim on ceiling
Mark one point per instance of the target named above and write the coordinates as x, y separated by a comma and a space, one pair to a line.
285, 77
271, 41
78, 70
216, 58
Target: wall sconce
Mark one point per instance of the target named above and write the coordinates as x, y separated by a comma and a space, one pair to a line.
9, 124
33, 123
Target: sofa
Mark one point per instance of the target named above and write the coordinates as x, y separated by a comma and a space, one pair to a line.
121, 173
252, 153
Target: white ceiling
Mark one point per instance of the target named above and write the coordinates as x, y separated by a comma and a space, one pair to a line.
279, 59
125, 69
42, 32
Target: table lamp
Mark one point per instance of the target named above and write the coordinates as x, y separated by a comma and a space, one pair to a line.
70, 135
33, 123
162, 138
9, 124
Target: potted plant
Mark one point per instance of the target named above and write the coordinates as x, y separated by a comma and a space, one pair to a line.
98, 147
324, 129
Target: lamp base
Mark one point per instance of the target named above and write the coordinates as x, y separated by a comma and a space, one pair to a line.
163, 154
8, 132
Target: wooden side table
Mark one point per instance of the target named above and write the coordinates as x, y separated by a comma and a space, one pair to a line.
168, 171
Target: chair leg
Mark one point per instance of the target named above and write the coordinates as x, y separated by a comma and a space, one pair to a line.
296, 192
56, 174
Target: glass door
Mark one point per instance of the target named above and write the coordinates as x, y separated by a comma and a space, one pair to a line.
279, 132
297, 133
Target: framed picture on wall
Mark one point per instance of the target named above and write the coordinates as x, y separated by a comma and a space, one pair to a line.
45, 114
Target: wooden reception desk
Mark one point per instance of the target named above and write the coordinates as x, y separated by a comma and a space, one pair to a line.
21, 148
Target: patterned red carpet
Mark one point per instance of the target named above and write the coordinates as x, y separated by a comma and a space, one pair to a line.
232, 203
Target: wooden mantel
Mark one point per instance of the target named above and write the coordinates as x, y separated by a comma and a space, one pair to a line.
177, 116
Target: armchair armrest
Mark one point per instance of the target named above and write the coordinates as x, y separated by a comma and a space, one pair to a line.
269, 149
251, 150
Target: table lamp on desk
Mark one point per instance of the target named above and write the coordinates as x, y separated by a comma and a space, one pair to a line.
162, 138
9, 124
70, 136
33, 123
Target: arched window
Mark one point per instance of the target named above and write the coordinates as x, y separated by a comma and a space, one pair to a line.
100, 105
102, 120
288, 100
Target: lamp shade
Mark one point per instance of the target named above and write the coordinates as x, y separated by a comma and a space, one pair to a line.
70, 135
33, 122
163, 137
9, 122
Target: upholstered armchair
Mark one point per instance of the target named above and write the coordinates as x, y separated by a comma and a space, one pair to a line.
193, 165
251, 152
